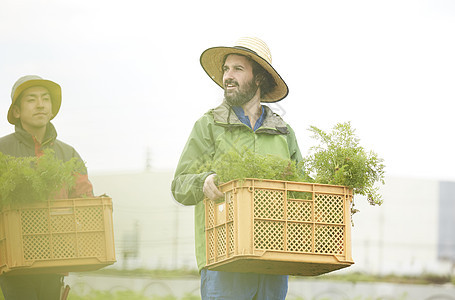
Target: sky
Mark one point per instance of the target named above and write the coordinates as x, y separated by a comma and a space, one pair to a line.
133, 86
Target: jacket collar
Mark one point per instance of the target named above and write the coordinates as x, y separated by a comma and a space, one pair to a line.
27, 138
273, 123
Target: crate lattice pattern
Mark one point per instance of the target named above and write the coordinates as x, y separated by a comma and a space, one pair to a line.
295, 225
328, 209
220, 239
63, 236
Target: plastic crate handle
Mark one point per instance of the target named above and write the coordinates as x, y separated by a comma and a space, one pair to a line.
61, 211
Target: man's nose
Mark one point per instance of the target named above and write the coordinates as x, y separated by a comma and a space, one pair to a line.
227, 75
40, 102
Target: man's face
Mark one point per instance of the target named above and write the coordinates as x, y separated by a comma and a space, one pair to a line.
238, 80
34, 108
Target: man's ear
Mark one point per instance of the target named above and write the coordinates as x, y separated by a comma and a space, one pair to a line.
259, 78
16, 112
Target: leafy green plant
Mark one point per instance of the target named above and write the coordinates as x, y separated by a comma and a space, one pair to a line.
33, 179
248, 164
339, 159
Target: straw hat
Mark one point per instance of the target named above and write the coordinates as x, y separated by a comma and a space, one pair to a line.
27, 81
213, 58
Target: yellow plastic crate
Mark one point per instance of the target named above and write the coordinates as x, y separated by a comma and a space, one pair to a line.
279, 227
56, 236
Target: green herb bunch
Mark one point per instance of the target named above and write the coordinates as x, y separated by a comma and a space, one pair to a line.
26, 180
248, 164
340, 160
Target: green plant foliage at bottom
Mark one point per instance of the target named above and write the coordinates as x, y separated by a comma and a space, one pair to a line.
130, 295
105, 295
124, 295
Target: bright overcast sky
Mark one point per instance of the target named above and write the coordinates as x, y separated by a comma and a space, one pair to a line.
131, 77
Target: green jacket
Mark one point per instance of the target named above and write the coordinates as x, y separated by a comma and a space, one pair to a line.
215, 133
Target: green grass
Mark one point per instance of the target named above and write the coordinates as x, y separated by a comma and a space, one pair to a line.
426, 278
130, 295
151, 273
190, 273
123, 295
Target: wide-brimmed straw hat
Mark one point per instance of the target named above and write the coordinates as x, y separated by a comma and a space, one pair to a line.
28, 81
212, 60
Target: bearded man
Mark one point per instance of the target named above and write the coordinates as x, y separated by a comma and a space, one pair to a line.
246, 74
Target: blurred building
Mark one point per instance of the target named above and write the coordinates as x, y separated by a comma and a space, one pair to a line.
412, 232
151, 230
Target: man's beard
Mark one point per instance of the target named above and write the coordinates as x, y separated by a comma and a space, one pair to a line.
242, 95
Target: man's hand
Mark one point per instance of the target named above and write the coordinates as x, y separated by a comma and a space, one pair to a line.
210, 189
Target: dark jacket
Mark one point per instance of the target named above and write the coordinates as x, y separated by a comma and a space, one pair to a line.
22, 144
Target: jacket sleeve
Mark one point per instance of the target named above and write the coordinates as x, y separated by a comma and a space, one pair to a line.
188, 180
294, 149
83, 187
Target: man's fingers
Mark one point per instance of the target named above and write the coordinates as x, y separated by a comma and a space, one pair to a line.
210, 189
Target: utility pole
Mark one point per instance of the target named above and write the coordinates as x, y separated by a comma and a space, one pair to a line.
148, 159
